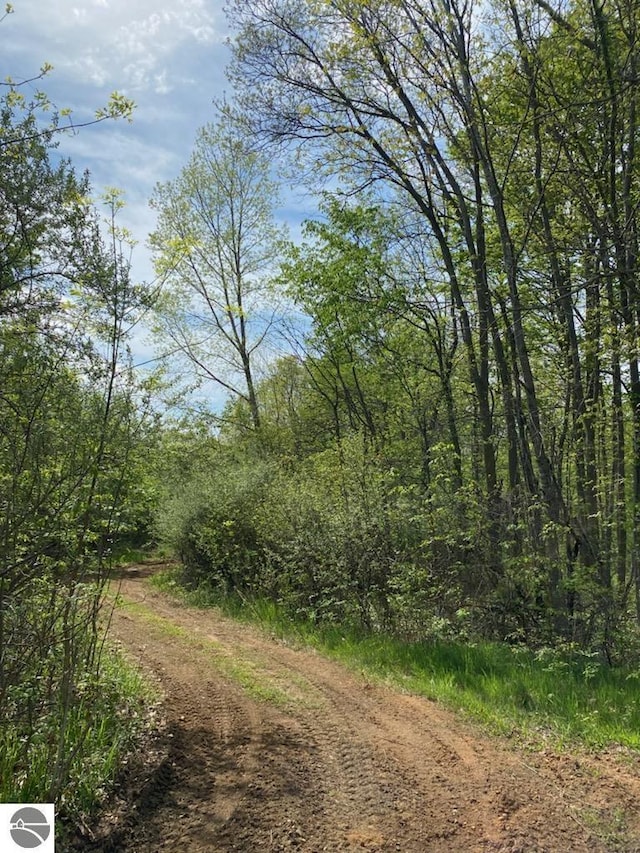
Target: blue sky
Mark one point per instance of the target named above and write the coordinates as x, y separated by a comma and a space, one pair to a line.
169, 56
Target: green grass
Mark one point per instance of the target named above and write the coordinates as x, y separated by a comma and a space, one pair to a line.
127, 554
541, 698
104, 724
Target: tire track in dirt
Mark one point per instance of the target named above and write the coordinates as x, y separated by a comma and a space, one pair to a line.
335, 763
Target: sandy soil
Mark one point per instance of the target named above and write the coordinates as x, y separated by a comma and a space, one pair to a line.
271, 748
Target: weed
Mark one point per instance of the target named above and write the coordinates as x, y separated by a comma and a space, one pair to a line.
610, 825
100, 728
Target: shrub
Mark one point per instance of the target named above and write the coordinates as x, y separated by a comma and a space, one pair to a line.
332, 536
209, 520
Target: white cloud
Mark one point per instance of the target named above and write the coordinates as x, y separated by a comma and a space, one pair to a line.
168, 55
117, 39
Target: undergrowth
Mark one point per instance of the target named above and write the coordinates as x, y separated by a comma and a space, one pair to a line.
561, 697
99, 730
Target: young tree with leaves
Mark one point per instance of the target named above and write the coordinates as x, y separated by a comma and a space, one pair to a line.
215, 248
69, 422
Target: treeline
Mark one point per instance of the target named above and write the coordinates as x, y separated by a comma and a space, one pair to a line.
456, 441
72, 436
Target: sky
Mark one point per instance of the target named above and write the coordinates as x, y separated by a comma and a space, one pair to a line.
169, 56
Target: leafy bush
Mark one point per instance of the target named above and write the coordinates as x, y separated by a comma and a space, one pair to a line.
339, 537
335, 535
207, 515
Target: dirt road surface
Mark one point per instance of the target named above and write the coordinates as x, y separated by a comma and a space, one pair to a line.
272, 748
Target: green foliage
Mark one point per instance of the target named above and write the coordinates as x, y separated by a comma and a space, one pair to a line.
327, 538
118, 106
548, 696
453, 449
335, 538
69, 440
206, 511
69, 717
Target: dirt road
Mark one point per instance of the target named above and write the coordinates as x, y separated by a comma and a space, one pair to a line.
272, 748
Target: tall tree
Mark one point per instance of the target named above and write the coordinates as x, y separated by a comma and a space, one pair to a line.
522, 168
215, 248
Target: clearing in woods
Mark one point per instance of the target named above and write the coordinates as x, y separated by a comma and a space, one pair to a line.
266, 747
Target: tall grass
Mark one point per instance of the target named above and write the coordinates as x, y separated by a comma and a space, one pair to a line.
109, 715
562, 697
559, 697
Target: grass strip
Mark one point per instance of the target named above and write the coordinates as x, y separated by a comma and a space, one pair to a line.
242, 672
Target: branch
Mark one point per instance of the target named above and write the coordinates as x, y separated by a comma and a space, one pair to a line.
117, 107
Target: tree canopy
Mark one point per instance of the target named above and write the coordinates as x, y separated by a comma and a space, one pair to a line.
482, 297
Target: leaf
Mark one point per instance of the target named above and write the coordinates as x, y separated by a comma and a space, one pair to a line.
118, 106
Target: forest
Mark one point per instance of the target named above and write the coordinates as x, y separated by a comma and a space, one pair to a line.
432, 418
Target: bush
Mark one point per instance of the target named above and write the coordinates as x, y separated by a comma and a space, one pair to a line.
209, 519
337, 537
334, 538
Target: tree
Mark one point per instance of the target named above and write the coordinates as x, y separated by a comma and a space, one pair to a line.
69, 420
342, 77
527, 195
215, 247
52, 121
380, 341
